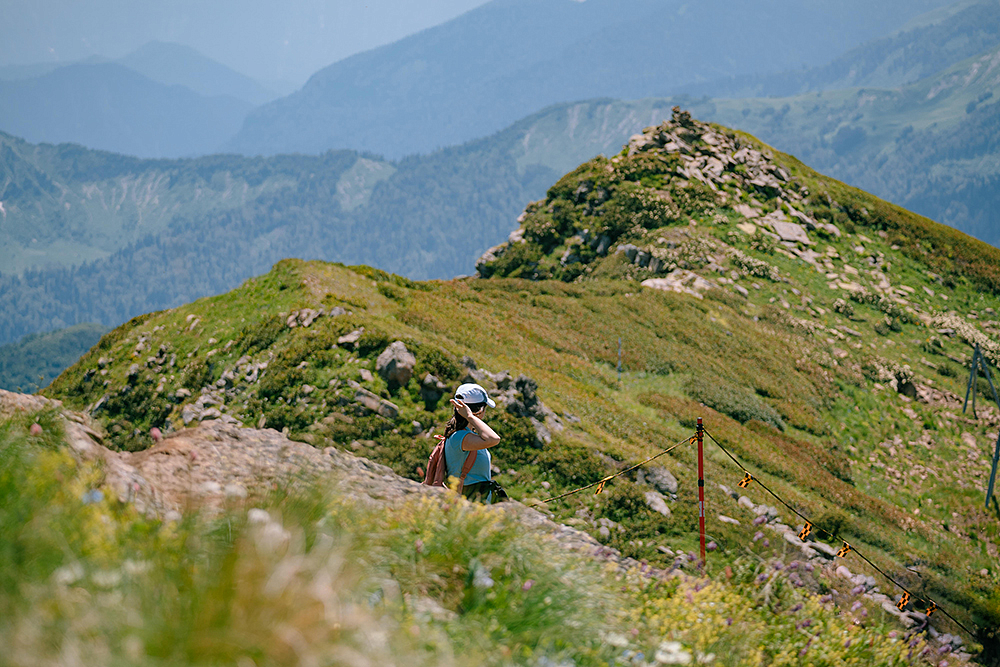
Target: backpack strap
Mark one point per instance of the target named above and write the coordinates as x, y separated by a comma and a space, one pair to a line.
470, 460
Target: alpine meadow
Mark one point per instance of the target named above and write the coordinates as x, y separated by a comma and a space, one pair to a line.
820, 332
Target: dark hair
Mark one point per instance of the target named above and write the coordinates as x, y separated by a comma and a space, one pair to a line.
458, 422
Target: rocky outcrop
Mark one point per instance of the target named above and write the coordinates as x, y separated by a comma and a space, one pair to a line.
395, 365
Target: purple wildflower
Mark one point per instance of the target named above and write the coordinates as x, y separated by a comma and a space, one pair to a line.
526, 586
857, 590
856, 606
711, 546
759, 520
847, 643
892, 634
767, 542
796, 607
758, 535
778, 565
729, 621
794, 565
826, 598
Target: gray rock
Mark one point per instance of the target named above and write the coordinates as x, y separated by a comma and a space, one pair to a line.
629, 250
431, 392
657, 502
395, 365
349, 340
791, 231
603, 243
659, 478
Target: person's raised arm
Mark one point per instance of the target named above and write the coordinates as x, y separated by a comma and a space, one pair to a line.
483, 438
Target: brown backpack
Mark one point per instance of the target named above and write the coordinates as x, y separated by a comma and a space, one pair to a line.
437, 468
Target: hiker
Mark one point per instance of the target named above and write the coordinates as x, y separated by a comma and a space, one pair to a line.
467, 432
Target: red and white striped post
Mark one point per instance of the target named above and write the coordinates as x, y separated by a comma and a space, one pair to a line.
701, 490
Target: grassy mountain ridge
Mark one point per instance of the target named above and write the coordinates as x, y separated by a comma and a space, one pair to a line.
828, 356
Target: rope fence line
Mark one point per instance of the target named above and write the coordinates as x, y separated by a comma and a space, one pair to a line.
601, 482
907, 596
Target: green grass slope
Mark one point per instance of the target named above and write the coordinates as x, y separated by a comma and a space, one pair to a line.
832, 366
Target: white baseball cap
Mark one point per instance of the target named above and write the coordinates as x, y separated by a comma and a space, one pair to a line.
473, 393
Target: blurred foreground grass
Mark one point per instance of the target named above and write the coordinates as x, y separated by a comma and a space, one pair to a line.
313, 578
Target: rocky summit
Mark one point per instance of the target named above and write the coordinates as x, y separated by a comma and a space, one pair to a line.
823, 336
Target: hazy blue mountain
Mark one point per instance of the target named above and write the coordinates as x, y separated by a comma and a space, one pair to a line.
922, 48
109, 106
485, 69
202, 226
269, 41
36, 360
175, 64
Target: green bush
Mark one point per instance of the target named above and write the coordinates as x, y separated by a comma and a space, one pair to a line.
740, 404
197, 374
139, 404
569, 464
372, 342
281, 381
435, 361
260, 335
518, 443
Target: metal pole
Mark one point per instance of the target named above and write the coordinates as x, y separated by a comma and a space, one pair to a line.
996, 451
701, 490
972, 375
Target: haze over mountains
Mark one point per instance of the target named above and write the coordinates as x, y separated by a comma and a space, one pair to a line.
91, 236
485, 69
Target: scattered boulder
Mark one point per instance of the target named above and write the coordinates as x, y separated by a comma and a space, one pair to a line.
306, 316
373, 403
395, 365
659, 478
520, 398
680, 280
431, 392
657, 502
349, 340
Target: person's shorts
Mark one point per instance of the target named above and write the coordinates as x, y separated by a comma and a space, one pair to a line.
485, 492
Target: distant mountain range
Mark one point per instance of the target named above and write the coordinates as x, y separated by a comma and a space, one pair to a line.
90, 236
162, 100
924, 47
482, 71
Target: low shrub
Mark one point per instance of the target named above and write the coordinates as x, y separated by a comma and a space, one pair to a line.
739, 403
260, 335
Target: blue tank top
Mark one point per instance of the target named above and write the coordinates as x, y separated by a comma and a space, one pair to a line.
454, 457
